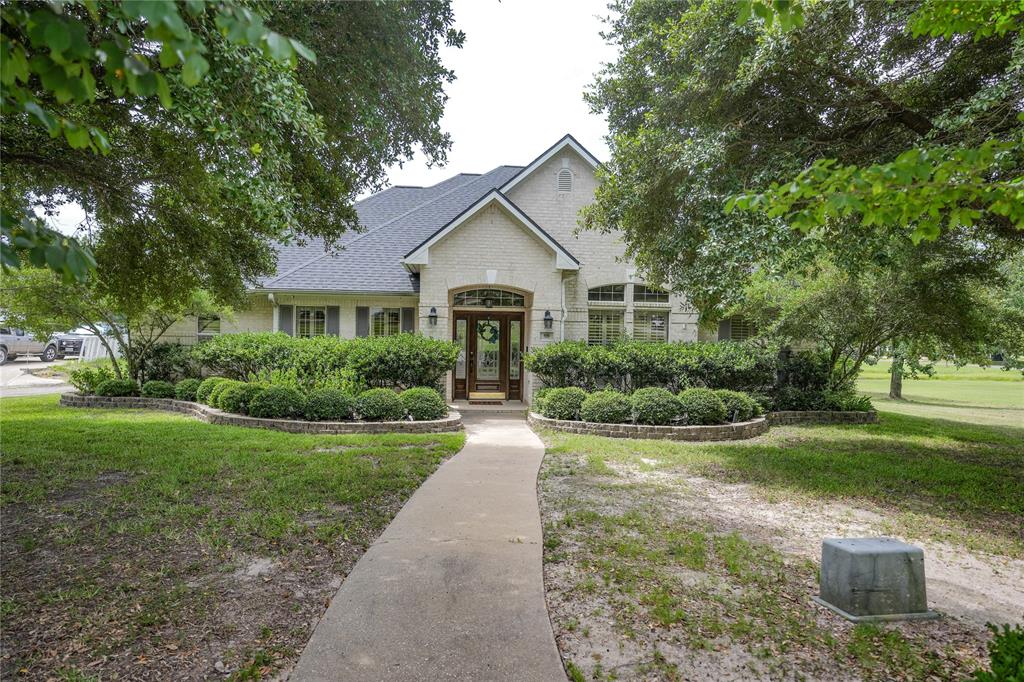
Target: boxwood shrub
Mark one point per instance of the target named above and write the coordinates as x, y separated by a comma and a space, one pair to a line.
739, 407
117, 388
213, 400
653, 405
379, 405
538, 400
155, 388
563, 403
238, 397
186, 389
606, 407
278, 402
206, 387
423, 403
329, 405
701, 406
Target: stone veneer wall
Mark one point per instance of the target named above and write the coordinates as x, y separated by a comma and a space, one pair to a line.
453, 422
821, 417
737, 431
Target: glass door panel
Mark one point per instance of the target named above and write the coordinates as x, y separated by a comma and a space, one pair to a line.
488, 350
460, 339
514, 349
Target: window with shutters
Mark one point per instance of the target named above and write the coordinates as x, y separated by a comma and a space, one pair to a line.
385, 321
608, 293
646, 294
650, 325
208, 327
605, 327
565, 180
740, 328
310, 322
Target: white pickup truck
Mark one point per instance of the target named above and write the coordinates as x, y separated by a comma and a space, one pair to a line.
15, 342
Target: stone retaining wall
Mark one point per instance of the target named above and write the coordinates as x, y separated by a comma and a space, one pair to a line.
737, 431
453, 422
821, 417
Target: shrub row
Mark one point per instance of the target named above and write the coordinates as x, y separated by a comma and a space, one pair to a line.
399, 361
632, 365
325, 404
652, 405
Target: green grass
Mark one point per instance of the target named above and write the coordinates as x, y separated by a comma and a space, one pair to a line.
970, 394
119, 524
970, 477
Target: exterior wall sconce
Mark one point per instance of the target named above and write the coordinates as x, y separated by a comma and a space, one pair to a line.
548, 320
432, 316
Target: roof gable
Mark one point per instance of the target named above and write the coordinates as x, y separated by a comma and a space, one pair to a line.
567, 141
421, 254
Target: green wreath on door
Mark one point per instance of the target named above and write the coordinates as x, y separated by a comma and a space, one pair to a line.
488, 331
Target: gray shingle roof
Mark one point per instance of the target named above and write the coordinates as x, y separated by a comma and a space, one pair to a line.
394, 222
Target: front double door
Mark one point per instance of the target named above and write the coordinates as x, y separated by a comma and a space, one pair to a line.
490, 364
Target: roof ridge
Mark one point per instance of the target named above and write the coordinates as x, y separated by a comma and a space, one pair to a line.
372, 230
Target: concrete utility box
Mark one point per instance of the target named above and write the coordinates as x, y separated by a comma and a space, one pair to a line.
873, 579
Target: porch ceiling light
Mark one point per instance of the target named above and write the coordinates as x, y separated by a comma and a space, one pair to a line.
432, 316
548, 320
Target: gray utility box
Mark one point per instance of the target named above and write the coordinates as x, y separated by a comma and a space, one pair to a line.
873, 579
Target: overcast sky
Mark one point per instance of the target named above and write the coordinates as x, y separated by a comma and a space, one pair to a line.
519, 84
519, 87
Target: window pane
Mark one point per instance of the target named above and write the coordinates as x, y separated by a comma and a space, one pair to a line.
605, 327
650, 325
385, 321
310, 322
646, 294
740, 329
488, 350
611, 292
209, 325
460, 339
514, 359
495, 297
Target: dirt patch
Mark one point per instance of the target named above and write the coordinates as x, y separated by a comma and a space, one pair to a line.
654, 574
88, 593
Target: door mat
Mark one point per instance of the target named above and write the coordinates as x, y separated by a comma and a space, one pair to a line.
486, 402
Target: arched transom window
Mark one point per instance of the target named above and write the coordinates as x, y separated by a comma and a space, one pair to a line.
490, 298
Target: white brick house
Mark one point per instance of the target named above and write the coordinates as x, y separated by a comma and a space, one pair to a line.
493, 261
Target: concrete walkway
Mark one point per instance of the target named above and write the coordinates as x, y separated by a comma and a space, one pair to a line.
453, 589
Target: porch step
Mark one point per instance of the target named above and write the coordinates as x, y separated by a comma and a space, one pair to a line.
490, 406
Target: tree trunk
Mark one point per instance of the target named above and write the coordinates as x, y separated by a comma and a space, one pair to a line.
896, 377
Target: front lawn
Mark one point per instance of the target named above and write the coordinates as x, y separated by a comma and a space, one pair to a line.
141, 544
672, 560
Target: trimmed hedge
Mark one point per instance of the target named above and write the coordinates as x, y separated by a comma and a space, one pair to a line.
399, 361
238, 397
380, 405
329, 405
155, 388
739, 407
214, 398
606, 407
563, 403
278, 402
423, 403
702, 406
206, 388
186, 389
633, 365
654, 405
117, 388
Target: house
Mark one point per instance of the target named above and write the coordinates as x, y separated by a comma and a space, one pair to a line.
491, 260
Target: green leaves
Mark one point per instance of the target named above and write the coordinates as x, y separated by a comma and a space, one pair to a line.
925, 189
41, 246
194, 69
788, 13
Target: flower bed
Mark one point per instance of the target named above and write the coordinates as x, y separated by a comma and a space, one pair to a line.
449, 423
787, 417
733, 431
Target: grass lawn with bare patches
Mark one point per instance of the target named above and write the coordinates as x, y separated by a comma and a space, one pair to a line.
697, 561
140, 544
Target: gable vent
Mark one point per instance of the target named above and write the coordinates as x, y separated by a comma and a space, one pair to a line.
565, 180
